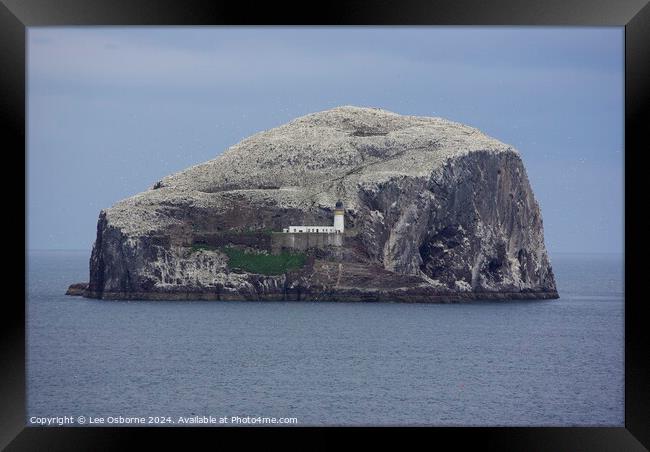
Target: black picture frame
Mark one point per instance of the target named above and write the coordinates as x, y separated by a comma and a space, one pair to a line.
634, 15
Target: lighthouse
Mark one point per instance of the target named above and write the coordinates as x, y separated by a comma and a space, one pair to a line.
338, 217
337, 228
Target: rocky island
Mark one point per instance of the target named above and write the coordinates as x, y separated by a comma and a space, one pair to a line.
428, 210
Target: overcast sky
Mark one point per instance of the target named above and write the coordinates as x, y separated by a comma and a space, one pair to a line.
112, 110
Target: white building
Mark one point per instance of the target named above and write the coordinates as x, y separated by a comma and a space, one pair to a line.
338, 227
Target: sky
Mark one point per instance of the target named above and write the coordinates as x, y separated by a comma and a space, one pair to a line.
111, 110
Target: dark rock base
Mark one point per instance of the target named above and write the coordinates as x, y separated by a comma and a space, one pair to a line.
77, 289
343, 295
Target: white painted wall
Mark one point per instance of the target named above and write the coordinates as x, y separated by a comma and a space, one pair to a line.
338, 226
315, 229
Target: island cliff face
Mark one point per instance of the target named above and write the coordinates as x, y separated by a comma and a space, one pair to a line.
434, 211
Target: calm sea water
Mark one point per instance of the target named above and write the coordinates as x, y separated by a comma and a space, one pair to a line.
547, 363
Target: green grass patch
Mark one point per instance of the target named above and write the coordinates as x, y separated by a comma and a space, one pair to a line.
265, 264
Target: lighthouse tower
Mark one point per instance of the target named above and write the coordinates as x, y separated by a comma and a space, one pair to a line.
338, 217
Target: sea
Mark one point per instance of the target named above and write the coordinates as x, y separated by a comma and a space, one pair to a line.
230, 363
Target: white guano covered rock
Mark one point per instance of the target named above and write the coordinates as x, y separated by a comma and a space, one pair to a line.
440, 207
